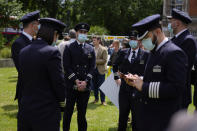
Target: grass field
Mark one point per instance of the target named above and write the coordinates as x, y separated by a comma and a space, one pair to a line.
100, 118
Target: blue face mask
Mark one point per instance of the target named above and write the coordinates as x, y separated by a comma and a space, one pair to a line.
133, 44
170, 28
148, 44
39, 26
54, 43
82, 37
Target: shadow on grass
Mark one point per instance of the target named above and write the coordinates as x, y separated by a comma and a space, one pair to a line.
110, 103
12, 79
92, 106
11, 114
113, 129
9, 107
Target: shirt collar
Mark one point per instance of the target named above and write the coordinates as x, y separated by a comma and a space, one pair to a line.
72, 40
162, 43
27, 35
180, 32
136, 51
80, 43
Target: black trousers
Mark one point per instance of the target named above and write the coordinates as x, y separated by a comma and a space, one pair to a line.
81, 98
126, 104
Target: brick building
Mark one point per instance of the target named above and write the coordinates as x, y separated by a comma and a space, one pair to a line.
189, 6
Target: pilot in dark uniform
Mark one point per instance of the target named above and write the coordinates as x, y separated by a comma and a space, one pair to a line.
30, 25
130, 60
79, 64
179, 23
43, 92
164, 77
195, 82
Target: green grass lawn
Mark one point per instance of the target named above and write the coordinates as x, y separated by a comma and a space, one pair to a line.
100, 118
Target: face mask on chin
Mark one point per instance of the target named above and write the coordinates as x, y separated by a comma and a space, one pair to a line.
149, 44
170, 29
36, 28
54, 43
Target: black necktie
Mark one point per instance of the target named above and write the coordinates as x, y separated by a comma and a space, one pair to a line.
133, 56
80, 46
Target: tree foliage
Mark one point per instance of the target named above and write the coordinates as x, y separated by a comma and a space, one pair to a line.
98, 30
11, 11
117, 16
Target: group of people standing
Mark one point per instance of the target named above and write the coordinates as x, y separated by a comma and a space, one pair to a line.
154, 83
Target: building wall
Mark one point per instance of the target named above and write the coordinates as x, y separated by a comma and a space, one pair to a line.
193, 8
189, 6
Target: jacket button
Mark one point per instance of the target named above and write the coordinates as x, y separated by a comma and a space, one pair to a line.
145, 102
85, 66
77, 65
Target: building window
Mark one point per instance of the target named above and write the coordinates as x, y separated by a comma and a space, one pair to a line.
178, 4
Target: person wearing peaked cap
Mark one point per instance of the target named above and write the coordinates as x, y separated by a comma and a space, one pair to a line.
130, 60
30, 25
79, 63
164, 77
43, 93
82, 26
30, 28
55, 24
182, 38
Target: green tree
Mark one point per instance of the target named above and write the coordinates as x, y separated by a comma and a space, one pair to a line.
117, 15
10, 13
97, 30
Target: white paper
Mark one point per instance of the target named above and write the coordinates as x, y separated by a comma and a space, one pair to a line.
111, 90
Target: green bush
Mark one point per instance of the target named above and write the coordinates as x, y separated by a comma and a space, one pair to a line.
98, 30
5, 53
2, 41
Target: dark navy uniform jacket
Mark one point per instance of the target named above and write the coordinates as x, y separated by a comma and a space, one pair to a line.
79, 63
194, 77
188, 44
123, 65
18, 44
43, 82
164, 80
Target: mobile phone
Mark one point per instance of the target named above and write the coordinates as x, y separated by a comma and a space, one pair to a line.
122, 75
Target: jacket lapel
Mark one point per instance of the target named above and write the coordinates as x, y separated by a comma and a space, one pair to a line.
179, 40
99, 52
26, 39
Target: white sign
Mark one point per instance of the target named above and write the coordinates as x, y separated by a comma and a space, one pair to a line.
111, 90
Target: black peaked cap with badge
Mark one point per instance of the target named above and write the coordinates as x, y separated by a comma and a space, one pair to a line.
133, 33
82, 26
53, 23
180, 15
32, 16
146, 24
